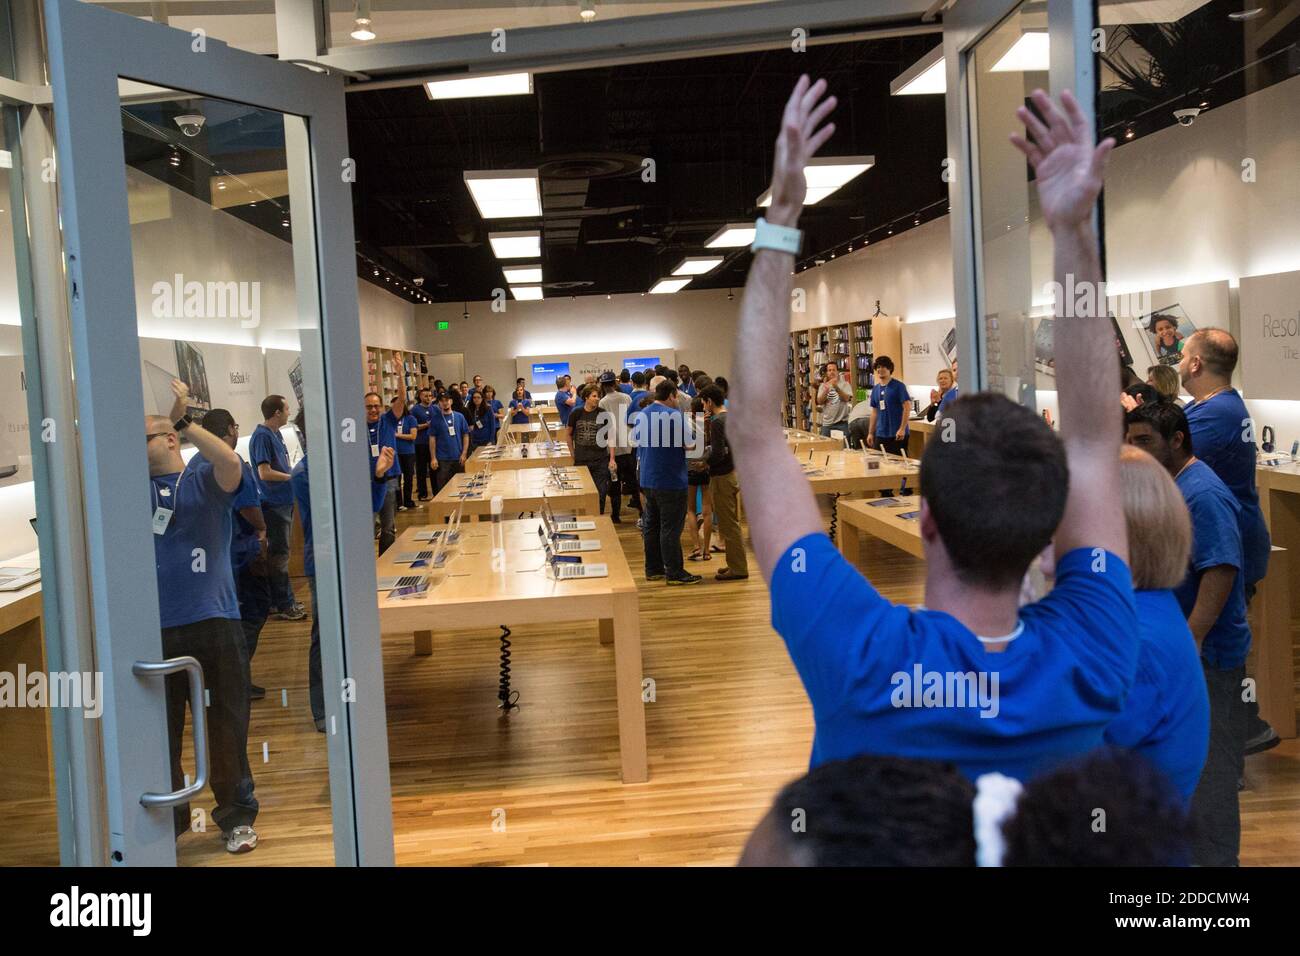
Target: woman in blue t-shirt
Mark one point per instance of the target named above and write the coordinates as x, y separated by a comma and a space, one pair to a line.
482, 422
498, 411
520, 406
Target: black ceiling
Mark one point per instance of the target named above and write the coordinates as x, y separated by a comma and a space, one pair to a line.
708, 124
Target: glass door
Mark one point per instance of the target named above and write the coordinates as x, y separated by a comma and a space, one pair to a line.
208, 243
998, 52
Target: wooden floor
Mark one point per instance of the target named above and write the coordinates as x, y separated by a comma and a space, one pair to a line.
730, 724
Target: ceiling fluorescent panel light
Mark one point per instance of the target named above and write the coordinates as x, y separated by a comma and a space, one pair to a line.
665, 286
526, 291
504, 84
505, 193
927, 75
732, 236
827, 174
697, 265
516, 245
527, 275
1029, 54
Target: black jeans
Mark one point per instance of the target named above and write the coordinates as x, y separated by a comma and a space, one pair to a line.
408, 479
315, 682
218, 645
423, 470
253, 586
600, 478
1215, 813
446, 469
663, 520
388, 514
626, 479
279, 528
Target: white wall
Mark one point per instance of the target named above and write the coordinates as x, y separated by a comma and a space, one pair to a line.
699, 326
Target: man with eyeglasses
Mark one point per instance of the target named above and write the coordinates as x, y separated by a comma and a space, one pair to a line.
385, 473
248, 544
198, 608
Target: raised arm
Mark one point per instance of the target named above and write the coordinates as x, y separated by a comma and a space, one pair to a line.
778, 500
1069, 170
227, 466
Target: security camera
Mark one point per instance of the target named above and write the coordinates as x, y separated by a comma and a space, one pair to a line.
191, 123
1188, 116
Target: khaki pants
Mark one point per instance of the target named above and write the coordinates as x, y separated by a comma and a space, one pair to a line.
725, 494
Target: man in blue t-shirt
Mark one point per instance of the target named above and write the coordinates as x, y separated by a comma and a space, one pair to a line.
423, 412
972, 678
625, 382
198, 608
270, 459
406, 428
449, 435
661, 434
385, 472
566, 397
301, 483
684, 377
1213, 598
890, 405
247, 544
1224, 437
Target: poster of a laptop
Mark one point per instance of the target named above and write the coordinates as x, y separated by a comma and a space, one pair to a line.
1166, 329
1044, 345
191, 371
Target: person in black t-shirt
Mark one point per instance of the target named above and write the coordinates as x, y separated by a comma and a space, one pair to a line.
590, 434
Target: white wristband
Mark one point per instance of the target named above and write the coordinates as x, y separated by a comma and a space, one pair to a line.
779, 238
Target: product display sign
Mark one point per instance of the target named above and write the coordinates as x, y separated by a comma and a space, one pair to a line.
545, 373
1270, 336
640, 364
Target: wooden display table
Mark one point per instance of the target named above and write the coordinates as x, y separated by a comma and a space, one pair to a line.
473, 591
1273, 609
801, 441
522, 489
507, 457
919, 433
26, 771
848, 472
883, 521
534, 431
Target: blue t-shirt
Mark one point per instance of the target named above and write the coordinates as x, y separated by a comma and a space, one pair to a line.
483, 431
448, 430
409, 424
382, 434
266, 446
637, 395
949, 397
660, 434
302, 495
1166, 717
422, 415
520, 408
870, 667
561, 398
625, 388
193, 586
888, 401
244, 546
495, 405
1221, 428
689, 387
1216, 540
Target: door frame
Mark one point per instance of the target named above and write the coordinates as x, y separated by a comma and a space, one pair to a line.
1069, 23
89, 49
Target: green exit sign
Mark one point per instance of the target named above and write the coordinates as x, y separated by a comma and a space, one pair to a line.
443, 326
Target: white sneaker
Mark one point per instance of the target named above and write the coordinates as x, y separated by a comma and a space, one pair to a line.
241, 840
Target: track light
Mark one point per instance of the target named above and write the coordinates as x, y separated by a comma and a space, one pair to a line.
361, 25
587, 10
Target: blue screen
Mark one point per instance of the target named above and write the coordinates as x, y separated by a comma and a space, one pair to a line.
640, 364
547, 373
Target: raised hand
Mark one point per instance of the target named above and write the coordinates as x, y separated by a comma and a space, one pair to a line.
798, 142
181, 402
385, 461
1067, 166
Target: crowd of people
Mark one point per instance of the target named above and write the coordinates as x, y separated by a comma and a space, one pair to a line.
986, 727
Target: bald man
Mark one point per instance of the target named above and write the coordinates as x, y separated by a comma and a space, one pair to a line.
199, 608
1223, 437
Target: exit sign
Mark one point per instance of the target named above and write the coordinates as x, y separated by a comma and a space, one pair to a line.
443, 326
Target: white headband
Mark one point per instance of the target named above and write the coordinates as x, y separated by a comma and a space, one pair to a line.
995, 802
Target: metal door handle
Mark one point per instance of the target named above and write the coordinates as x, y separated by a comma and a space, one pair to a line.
199, 713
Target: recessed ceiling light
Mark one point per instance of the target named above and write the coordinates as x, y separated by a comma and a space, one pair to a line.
527, 275
927, 75
697, 265
1029, 54
503, 84
825, 174
505, 193
526, 291
732, 235
525, 244
665, 286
